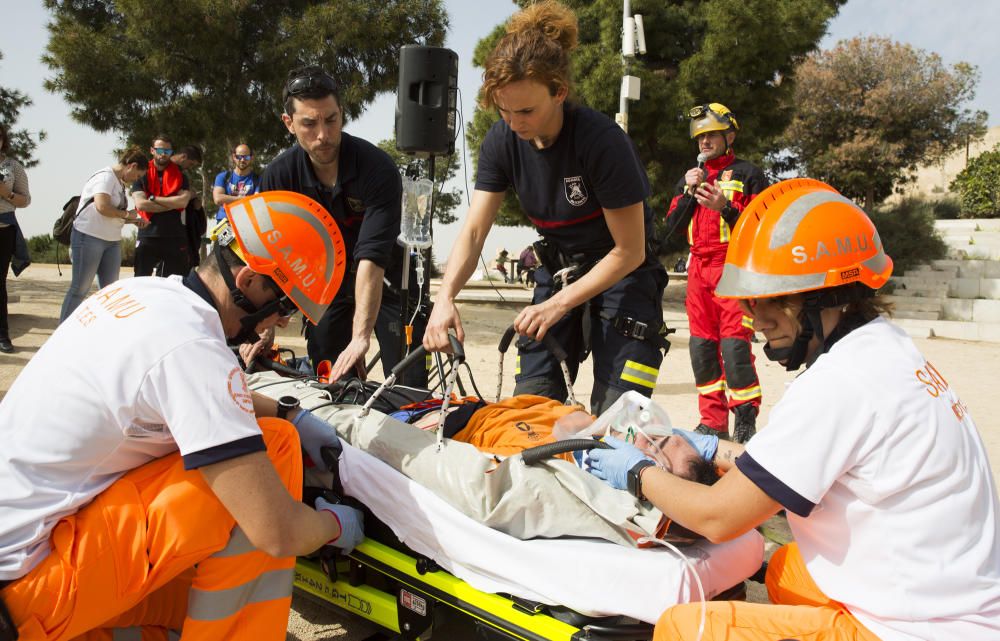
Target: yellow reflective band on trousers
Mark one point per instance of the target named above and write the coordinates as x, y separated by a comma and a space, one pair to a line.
517, 365
640, 374
747, 322
157, 550
745, 394
214, 605
713, 387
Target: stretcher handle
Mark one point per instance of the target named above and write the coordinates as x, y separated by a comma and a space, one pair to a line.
533, 455
260, 363
550, 343
420, 353
505, 340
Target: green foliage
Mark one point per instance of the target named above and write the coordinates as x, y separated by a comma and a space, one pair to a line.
948, 208
44, 249
211, 72
908, 234
445, 203
978, 186
870, 111
22, 142
721, 51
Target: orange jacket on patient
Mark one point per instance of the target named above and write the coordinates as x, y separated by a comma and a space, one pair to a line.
514, 424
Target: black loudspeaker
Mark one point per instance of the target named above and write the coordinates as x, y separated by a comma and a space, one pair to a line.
426, 113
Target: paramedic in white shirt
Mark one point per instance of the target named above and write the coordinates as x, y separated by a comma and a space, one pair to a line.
871, 452
140, 482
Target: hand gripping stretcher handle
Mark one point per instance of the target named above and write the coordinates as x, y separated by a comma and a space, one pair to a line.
534, 455
420, 353
550, 344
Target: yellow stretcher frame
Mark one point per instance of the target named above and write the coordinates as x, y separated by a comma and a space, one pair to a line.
426, 590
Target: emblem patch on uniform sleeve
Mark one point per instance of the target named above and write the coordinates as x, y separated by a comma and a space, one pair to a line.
238, 390
355, 204
576, 191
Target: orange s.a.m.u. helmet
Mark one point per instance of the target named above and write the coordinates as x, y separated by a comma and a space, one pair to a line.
293, 240
801, 235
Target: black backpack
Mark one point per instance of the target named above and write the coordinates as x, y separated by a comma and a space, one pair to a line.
63, 228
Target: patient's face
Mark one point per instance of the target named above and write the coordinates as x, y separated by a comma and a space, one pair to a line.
673, 453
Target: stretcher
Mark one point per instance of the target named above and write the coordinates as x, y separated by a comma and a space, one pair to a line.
426, 567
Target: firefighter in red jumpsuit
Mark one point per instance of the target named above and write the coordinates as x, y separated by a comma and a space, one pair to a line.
710, 199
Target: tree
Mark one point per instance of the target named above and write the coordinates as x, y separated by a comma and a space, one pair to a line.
211, 73
22, 143
978, 185
721, 51
445, 203
870, 110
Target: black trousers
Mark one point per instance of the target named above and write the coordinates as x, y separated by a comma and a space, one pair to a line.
7, 236
172, 252
327, 339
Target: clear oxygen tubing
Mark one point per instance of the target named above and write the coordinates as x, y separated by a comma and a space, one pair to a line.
690, 568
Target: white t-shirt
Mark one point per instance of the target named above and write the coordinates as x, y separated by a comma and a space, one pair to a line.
141, 369
888, 490
89, 220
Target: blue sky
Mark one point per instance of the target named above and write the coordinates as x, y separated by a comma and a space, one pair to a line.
73, 152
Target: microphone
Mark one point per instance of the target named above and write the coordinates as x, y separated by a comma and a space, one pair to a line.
701, 165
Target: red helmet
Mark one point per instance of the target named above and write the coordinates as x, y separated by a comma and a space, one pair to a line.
292, 239
801, 235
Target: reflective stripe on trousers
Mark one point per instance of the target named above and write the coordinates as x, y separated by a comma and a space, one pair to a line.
158, 551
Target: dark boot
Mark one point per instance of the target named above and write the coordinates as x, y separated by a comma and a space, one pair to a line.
711, 431
746, 422
5, 345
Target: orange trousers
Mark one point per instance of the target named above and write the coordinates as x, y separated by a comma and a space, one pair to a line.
801, 611
157, 553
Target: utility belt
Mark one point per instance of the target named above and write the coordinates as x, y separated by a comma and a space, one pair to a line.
8, 631
568, 268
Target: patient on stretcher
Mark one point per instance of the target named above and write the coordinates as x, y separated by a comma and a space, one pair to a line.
515, 424
553, 499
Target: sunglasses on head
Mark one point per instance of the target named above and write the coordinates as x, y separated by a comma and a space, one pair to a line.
242, 156
309, 83
163, 151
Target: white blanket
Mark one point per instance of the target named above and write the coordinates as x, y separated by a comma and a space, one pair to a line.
590, 576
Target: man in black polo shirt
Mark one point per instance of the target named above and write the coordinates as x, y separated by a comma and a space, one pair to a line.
359, 185
160, 195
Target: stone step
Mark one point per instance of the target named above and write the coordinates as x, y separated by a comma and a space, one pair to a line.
913, 304
976, 310
917, 315
986, 288
969, 268
927, 280
933, 269
968, 225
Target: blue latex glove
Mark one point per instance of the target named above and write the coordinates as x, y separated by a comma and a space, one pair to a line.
612, 466
705, 444
314, 433
352, 524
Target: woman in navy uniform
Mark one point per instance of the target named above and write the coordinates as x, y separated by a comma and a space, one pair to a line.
580, 181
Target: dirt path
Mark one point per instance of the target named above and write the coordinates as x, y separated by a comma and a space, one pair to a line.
969, 367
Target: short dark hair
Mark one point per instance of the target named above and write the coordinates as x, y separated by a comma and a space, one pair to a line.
160, 136
193, 152
229, 257
5, 145
242, 144
316, 83
133, 154
704, 471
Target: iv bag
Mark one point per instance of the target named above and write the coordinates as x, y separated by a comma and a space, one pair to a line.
415, 226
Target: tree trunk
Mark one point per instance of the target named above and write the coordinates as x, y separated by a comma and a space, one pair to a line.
869, 198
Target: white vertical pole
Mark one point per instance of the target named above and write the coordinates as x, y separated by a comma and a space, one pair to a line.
622, 118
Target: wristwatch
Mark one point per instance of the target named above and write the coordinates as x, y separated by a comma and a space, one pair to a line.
286, 404
635, 480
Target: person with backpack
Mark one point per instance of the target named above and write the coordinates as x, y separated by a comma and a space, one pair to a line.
13, 194
237, 182
95, 243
